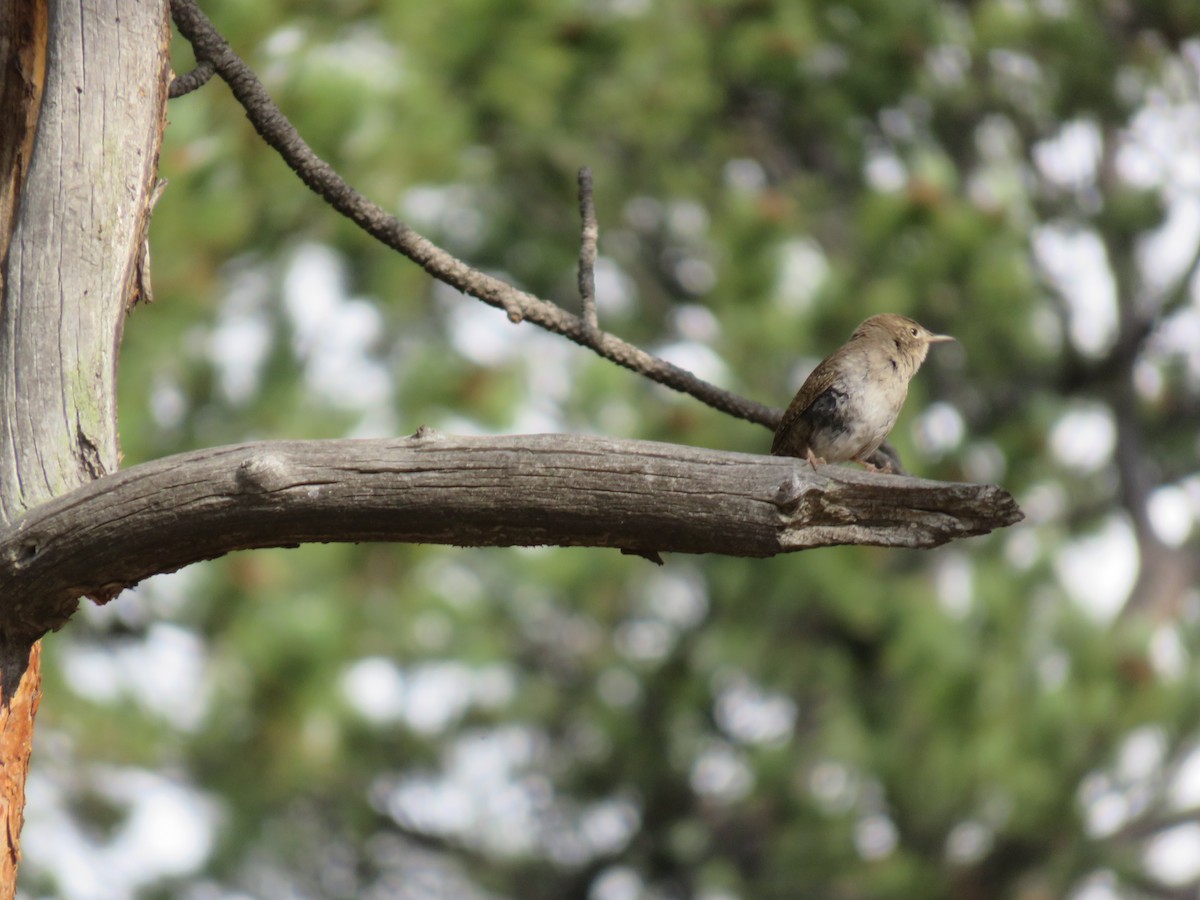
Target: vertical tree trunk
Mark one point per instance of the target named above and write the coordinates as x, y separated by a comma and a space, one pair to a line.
82, 102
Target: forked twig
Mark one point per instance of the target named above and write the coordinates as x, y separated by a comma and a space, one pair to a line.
590, 234
209, 46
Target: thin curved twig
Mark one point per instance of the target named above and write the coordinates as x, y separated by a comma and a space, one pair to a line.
267, 119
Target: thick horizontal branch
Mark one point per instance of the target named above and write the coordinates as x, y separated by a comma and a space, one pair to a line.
565, 490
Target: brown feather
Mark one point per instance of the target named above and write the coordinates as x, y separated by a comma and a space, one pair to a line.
821, 378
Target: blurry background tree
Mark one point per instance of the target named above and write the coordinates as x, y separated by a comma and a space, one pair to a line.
1016, 716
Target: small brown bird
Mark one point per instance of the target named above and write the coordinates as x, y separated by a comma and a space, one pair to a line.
850, 402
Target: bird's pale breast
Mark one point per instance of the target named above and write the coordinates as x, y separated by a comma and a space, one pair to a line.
851, 418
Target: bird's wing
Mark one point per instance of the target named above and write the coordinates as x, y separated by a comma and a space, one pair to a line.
814, 387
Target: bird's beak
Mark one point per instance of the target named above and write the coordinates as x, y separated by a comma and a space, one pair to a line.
939, 338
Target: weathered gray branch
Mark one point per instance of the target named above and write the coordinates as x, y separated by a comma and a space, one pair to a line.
568, 490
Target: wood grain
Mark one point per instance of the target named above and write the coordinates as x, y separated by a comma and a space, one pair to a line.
567, 490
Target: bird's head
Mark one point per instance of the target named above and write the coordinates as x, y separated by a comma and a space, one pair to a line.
909, 338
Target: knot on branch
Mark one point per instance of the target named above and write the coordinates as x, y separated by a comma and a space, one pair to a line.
264, 473
790, 493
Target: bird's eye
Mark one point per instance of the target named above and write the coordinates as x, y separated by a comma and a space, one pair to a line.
913, 332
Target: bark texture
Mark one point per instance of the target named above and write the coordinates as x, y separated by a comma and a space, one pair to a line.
82, 103
75, 240
569, 490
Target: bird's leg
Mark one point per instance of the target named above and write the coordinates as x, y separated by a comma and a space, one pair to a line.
813, 459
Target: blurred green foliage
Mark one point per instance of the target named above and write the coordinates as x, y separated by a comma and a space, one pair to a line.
844, 723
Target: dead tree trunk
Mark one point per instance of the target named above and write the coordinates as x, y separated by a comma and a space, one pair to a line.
83, 90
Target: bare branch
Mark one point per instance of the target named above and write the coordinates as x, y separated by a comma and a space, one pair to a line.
1155, 822
321, 178
568, 490
590, 234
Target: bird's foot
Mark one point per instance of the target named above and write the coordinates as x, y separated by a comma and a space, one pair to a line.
813, 459
885, 469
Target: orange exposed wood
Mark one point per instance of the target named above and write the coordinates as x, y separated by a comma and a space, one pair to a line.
16, 741
23, 35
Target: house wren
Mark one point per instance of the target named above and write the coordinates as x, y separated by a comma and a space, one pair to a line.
850, 402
